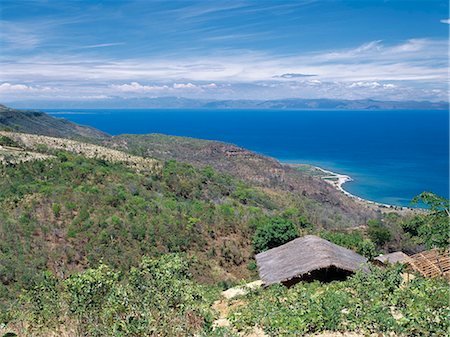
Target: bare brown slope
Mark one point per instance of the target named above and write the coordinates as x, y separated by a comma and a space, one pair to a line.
325, 205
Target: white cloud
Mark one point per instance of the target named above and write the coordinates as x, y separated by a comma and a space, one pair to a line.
185, 86
447, 21
416, 59
15, 88
15, 36
137, 87
365, 85
210, 86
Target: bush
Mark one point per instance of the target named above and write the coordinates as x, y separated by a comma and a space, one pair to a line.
273, 233
354, 241
367, 248
156, 298
6, 141
379, 233
369, 303
433, 229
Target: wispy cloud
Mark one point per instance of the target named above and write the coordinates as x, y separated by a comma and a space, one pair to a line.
15, 36
447, 21
102, 45
413, 60
372, 69
293, 75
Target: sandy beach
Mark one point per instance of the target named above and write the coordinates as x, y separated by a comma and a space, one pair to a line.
337, 180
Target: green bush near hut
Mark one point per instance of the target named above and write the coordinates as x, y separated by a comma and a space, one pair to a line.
273, 233
376, 302
355, 241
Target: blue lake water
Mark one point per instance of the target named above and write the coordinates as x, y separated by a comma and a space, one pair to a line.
391, 155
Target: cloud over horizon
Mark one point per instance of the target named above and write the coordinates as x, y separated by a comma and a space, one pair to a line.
198, 50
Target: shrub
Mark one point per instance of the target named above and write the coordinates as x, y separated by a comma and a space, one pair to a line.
379, 233
6, 141
56, 208
433, 229
273, 233
156, 298
367, 248
354, 241
369, 303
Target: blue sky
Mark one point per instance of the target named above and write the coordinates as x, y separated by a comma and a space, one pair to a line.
103, 50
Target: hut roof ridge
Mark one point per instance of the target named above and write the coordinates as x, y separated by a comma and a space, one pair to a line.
303, 255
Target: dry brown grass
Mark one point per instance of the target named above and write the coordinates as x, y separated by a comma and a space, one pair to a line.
35, 142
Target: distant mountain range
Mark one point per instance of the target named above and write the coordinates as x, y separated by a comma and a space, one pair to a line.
188, 103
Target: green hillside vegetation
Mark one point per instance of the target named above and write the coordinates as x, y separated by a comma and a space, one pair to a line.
156, 298
378, 303
317, 199
71, 212
96, 246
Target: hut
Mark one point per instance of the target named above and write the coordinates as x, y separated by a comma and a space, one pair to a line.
306, 259
391, 258
432, 263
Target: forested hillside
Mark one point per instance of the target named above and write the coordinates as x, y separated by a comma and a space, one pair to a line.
323, 203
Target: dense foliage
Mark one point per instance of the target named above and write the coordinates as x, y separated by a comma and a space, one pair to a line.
354, 240
156, 298
378, 232
433, 228
377, 302
70, 213
273, 233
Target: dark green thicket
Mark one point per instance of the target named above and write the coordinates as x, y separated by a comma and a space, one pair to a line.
354, 240
273, 233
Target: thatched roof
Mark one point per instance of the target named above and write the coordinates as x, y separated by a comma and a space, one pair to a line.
304, 255
392, 258
432, 263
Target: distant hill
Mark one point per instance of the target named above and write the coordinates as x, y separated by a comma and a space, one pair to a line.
188, 103
308, 104
322, 203
37, 122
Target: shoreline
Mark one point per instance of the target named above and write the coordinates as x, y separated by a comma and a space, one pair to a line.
337, 180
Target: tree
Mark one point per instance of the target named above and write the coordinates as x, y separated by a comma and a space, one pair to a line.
273, 233
378, 232
433, 229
